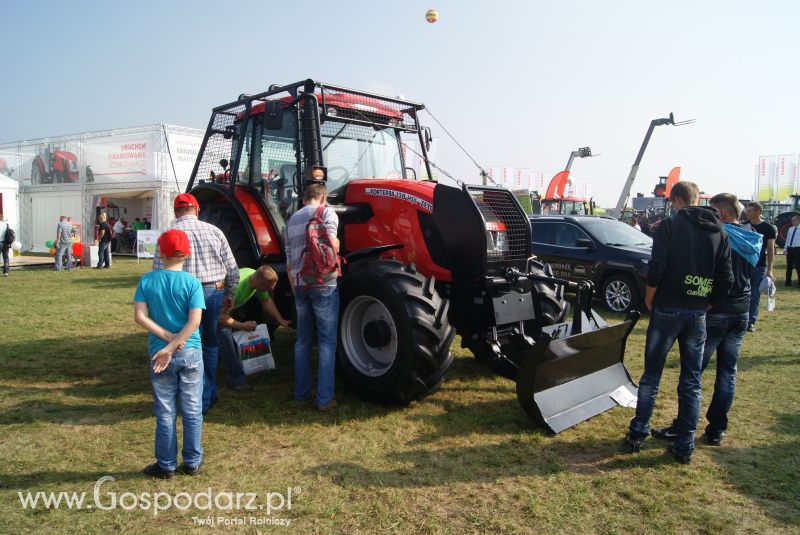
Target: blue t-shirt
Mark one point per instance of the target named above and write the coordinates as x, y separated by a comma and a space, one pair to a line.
169, 295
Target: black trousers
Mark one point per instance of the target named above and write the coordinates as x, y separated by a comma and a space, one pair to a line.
792, 263
5, 259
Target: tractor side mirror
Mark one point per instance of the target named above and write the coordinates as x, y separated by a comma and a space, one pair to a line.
273, 116
224, 164
428, 138
585, 243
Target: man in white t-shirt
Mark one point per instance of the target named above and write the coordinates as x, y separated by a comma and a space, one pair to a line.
118, 229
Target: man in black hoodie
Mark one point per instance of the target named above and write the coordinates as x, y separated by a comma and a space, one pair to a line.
690, 271
727, 322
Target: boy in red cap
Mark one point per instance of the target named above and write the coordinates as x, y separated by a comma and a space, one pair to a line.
169, 304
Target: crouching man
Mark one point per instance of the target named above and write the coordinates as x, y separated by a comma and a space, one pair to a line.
253, 283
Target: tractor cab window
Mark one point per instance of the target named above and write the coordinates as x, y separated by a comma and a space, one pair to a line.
353, 151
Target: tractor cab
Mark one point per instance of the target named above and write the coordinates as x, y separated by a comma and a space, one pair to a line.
347, 134
567, 206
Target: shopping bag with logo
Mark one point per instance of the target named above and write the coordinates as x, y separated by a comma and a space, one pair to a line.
254, 349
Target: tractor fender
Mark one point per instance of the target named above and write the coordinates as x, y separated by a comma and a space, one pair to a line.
369, 253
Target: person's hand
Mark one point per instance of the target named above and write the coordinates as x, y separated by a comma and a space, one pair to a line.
284, 323
249, 326
170, 337
161, 360
648, 303
770, 275
227, 304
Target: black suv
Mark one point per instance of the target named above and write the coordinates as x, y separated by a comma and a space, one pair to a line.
610, 253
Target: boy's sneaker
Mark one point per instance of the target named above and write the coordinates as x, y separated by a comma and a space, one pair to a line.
751, 328
154, 470
190, 470
664, 433
713, 440
633, 444
680, 457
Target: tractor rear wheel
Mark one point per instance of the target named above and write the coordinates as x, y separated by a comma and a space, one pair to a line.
227, 219
394, 337
549, 308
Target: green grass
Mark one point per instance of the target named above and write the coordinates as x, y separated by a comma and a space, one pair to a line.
75, 406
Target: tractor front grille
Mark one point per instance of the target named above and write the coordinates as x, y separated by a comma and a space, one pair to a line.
507, 226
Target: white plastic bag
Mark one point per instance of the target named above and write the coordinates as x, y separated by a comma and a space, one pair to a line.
254, 349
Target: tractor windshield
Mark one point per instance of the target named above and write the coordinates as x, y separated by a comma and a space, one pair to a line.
353, 151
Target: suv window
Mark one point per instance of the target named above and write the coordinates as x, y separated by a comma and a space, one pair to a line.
542, 232
566, 234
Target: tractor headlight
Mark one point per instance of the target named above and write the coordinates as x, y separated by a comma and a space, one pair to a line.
496, 238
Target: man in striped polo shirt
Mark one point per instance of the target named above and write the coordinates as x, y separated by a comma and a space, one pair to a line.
213, 264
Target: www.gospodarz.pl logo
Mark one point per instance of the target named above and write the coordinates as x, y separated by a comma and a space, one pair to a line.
158, 502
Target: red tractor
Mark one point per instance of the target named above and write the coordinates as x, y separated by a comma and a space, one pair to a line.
425, 261
54, 166
5, 169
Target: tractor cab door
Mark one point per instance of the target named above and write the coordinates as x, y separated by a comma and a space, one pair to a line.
268, 164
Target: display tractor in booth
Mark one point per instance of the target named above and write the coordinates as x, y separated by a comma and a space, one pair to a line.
51, 166
424, 260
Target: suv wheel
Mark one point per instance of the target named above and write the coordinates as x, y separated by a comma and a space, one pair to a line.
620, 294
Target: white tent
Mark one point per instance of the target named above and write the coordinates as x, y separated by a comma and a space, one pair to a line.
137, 171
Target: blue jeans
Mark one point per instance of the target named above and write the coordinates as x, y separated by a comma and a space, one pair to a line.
182, 380
104, 255
62, 249
227, 350
315, 305
724, 334
689, 327
208, 335
755, 295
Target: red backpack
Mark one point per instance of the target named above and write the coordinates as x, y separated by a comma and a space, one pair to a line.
320, 259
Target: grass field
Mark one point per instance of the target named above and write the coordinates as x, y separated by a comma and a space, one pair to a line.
75, 406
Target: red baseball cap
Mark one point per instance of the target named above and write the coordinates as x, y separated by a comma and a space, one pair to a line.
174, 243
185, 199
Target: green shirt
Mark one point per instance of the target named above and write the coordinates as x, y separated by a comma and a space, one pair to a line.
243, 291
138, 225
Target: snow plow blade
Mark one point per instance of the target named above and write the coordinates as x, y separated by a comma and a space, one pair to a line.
567, 378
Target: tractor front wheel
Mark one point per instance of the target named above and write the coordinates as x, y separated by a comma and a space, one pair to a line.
394, 337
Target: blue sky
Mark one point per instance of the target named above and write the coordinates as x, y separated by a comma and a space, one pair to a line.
518, 83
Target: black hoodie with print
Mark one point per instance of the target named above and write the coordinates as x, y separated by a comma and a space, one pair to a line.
691, 260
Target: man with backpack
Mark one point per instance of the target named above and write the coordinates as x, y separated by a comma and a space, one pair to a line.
313, 266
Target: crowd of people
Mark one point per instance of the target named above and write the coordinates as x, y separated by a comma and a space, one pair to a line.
191, 302
703, 289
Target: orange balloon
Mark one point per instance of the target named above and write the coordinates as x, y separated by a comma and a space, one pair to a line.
52, 250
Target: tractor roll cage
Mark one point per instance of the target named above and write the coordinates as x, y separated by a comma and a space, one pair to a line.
319, 102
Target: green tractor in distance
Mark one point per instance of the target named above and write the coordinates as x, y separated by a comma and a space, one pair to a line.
783, 221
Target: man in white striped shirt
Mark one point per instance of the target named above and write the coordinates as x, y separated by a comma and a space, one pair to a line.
213, 264
792, 249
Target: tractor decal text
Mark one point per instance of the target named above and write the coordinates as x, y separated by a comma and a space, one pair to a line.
413, 199
701, 285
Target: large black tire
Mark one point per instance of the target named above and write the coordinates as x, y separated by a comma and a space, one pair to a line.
549, 308
226, 218
620, 294
783, 223
394, 337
